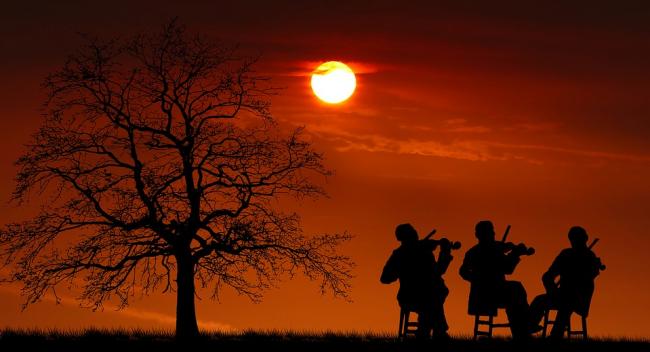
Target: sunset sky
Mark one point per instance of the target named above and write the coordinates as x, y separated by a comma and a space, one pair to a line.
535, 115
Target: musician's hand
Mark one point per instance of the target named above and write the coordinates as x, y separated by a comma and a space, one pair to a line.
445, 245
551, 290
519, 249
550, 284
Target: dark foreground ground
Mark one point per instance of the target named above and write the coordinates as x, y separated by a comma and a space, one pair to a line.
95, 340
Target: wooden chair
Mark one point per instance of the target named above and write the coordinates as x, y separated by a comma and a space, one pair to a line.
489, 322
406, 327
569, 332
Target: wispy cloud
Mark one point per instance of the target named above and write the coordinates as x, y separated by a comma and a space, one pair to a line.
578, 152
463, 149
306, 68
458, 126
136, 313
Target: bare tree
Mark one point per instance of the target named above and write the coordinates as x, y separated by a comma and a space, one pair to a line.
159, 167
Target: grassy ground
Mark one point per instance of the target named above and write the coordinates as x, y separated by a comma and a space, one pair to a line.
94, 340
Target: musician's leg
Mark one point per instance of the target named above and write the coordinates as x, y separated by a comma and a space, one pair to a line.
561, 322
516, 305
439, 321
425, 323
538, 307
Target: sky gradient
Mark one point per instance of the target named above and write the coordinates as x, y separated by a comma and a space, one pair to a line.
533, 115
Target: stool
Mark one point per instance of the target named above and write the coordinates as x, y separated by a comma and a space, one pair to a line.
569, 332
478, 322
406, 326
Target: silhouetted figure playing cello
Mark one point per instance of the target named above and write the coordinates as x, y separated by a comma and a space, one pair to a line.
422, 289
485, 266
576, 267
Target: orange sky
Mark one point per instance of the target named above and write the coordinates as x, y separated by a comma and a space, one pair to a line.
533, 116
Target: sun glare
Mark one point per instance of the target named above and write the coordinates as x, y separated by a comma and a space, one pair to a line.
333, 82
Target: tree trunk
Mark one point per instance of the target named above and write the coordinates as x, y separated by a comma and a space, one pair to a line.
186, 326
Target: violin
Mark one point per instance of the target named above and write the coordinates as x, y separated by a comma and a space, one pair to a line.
517, 249
442, 241
601, 266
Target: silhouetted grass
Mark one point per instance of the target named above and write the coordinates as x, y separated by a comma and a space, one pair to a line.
123, 340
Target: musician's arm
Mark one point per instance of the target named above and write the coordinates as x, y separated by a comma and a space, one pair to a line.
444, 259
595, 267
548, 279
466, 271
390, 273
510, 262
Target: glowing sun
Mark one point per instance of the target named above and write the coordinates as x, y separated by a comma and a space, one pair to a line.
333, 82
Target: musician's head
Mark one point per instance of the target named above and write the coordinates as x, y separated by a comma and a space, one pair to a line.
406, 233
484, 231
578, 237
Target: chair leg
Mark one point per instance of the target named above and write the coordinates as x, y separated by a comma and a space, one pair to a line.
400, 329
546, 313
490, 322
407, 319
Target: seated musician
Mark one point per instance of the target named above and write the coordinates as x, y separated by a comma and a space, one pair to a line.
422, 289
576, 267
485, 266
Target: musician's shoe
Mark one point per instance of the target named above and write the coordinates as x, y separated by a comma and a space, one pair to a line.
441, 337
533, 329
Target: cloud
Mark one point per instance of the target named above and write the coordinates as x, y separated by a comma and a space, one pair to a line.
141, 314
167, 319
578, 152
462, 149
305, 68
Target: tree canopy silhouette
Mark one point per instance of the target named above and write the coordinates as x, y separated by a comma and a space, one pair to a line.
158, 166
